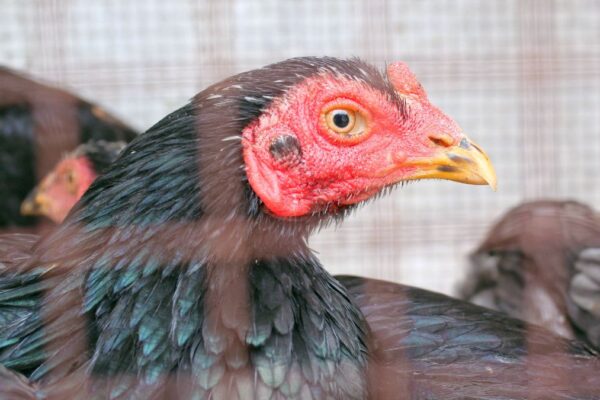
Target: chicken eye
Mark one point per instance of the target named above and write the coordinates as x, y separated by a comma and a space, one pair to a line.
71, 181
345, 123
70, 177
341, 120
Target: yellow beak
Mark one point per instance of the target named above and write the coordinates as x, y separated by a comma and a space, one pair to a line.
465, 162
35, 204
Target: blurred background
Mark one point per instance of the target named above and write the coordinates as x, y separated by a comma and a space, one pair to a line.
522, 77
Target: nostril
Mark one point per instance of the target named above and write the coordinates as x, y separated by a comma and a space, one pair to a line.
441, 139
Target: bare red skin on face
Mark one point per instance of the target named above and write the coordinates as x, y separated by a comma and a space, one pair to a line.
65, 185
334, 171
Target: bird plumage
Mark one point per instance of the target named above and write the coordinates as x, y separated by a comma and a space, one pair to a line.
38, 124
140, 293
528, 267
172, 278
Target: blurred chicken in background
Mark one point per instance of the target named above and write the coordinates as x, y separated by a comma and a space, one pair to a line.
58, 192
38, 125
541, 263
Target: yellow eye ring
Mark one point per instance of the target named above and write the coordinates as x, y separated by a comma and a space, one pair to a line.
344, 121
341, 120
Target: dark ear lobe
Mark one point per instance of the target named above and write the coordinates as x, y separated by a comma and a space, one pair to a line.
285, 149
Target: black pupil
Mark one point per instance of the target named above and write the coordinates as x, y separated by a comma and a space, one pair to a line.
341, 119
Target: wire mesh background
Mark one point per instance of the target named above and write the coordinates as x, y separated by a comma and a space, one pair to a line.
522, 77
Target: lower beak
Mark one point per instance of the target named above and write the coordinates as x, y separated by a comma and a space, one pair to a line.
36, 204
465, 162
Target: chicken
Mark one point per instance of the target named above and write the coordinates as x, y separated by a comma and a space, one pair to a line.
38, 124
65, 184
184, 270
532, 266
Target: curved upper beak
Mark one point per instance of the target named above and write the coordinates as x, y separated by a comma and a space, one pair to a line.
35, 204
464, 162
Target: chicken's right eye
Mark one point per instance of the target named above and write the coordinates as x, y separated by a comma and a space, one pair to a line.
342, 119
346, 122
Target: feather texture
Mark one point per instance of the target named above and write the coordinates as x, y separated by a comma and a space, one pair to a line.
533, 266
170, 280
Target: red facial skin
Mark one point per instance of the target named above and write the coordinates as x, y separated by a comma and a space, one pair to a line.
63, 187
333, 169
